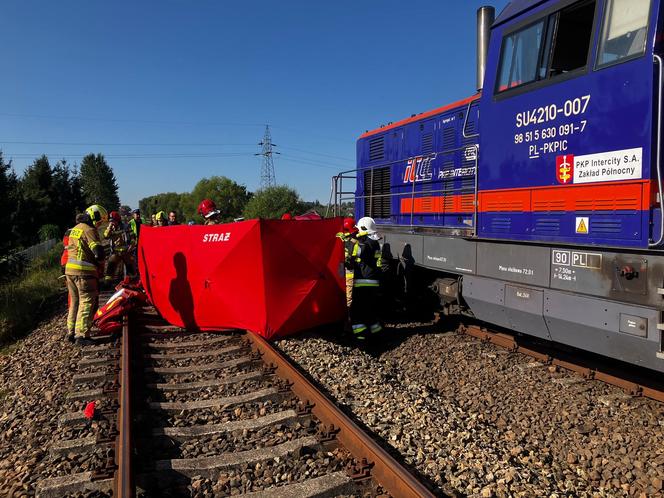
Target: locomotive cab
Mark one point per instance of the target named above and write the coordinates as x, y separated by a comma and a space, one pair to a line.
569, 134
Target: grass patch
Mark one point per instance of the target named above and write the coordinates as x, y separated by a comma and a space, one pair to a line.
24, 299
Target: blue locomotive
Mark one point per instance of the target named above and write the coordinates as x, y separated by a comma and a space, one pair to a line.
537, 202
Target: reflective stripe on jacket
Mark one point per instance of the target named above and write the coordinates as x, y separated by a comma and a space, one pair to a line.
365, 258
81, 260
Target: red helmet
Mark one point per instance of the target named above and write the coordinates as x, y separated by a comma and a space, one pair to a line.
207, 208
349, 225
114, 216
286, 216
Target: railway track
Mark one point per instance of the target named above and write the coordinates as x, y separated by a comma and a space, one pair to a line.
211, 414
633, 380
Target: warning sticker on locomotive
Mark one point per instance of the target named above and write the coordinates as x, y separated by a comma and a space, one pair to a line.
582, 224
603, 167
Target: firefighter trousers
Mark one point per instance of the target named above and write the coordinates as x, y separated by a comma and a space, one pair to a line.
114, 265
364, 315
83, 303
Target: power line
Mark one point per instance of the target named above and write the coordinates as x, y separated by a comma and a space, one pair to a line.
136, 156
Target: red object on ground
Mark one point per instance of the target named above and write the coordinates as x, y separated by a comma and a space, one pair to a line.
267, 276
89, 411
109, 316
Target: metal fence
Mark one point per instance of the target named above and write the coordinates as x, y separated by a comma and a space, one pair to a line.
37, 250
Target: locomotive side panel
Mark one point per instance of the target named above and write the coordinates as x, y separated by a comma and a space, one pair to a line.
421, 171
566, 138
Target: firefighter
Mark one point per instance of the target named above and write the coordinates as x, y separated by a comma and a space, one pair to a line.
161, 219
364, 257
135, 223
118, 235
84, 259
347, 237
208, 210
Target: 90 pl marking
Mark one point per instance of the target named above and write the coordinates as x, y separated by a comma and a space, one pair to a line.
578, 259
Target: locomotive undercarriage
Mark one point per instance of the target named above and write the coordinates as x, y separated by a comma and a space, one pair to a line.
606, 302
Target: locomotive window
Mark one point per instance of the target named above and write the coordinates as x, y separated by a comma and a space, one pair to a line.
625, 31
557, 44
572, 41
520, 55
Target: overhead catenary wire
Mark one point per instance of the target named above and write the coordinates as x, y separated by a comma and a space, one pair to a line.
211, 155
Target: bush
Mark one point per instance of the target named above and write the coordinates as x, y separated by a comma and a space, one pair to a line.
48, 232
24, 298
12, 266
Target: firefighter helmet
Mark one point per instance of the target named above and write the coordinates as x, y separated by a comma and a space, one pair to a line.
207, 208
97, 213
366, 225
160, 216
349, 225
286, 216
114, 216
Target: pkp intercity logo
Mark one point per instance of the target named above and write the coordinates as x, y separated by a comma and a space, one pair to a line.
565, 168
418, 169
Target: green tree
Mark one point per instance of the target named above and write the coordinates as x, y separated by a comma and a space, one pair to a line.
67, 195
273, 202
36, 200
168, 201
229, 196
98, 182
9, 195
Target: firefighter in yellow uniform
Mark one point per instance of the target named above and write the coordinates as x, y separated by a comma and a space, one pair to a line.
85, 257
118, 235
348, 236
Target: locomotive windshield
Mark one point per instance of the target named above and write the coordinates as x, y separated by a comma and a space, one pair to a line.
556, 44
625, 30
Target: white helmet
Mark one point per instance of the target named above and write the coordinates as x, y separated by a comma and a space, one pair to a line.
366, 225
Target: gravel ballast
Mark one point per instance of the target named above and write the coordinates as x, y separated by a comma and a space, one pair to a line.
479, 421
35, 377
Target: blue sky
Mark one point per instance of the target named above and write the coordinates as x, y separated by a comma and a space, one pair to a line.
174, 91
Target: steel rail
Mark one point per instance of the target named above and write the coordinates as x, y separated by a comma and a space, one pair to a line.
391, 475
593, 371
124, 478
